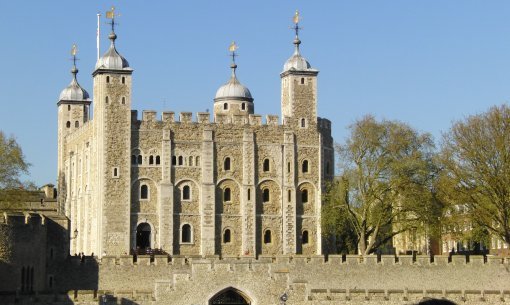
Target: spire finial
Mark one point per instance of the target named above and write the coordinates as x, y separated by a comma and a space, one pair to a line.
74, 51
296, 28
232, 49
111, 15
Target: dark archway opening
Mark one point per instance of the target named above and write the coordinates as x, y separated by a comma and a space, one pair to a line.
143, 236
229, 296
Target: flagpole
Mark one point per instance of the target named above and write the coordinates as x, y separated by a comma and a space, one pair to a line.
98, 34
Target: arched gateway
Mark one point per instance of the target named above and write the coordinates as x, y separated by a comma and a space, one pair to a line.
229, 296
143, 236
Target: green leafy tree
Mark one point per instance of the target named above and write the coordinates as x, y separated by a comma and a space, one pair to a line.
387, 174
12, 165
475, 163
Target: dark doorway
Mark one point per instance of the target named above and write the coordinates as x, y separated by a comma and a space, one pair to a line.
143, 236
229, 296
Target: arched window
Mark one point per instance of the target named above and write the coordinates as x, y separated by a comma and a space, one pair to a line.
265, 195
151, 160
304, 166
68, 124
186, 234
304, 196
144, 191
225, 106
123, 100
226, 195
249, 194
174, 160
243, 106
302, 80
304, 237
115, 172
226, 236
107, 79
133, 159
190, 162
158, 160
186, 193
226, 164
123, 80
303, 123
139, 159
197, 161
267, 237
181, 160
266, 165
106, 100
68, 107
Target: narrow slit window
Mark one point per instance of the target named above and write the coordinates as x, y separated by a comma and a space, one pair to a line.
288, 167
304, 237
140, 159
144, 192
266, 165
123, 80
304, 196
158, 160
304, 166
151, 160
226, 236
226, 164
265, 195
197, 161
107, 79
227, 195
68, 107
267, 237
115, 172
106, 100
181, 160
243, 106
174, 160
289, 195
186, 233
186, 193
190, 161
123, 100
249, 194
303, 123
302, 80
225, 106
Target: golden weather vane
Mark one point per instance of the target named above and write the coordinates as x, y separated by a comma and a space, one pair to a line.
296, 18
233, 47
74, 50
111, 15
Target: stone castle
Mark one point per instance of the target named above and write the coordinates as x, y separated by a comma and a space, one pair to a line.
221, 210
232, 186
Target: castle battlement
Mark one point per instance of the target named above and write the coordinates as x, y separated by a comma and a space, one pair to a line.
169, 117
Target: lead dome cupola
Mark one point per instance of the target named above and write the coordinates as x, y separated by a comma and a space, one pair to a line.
74, 92
233, 89
297, 62
112, 60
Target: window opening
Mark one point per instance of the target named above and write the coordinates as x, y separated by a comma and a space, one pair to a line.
267, 237
304, 238
249, 194
226, 195
265, 195
115, 172
304, 166
107, 79
139, 159
186, 233
225, 106
243, 106
304, 196
186, 192
151, 160
123, 80
226, 236
302, 80
288, 167
133, 159
197, 161
68, 107
174, 160
144, 192
226, 164
289, 195
123, 100
181, 160
158, 160
303, 123
68, 124
266, 165
106, 99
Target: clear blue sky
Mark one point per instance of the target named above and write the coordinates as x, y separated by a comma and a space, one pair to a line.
426, 63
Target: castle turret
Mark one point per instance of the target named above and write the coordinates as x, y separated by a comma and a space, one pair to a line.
112, 123
73, 112
299, 87
233, 98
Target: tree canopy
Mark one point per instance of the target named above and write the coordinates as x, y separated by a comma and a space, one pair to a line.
475, 170
387, 175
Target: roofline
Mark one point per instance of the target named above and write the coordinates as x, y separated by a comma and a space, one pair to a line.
75, 102
300, 72
112, 71
230, 98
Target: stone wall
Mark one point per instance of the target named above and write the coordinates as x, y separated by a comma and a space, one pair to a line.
306, 279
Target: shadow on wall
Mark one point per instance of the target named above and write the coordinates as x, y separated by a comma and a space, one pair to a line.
436, 302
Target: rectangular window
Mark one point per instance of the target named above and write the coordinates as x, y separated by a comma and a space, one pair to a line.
115, 172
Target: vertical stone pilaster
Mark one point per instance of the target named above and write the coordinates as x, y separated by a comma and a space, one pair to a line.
166, 198
248, 210
208, 197
318, 199
289, 184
